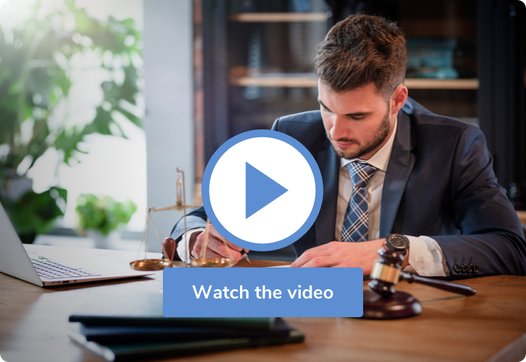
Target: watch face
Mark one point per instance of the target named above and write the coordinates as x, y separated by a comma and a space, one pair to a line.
397, 241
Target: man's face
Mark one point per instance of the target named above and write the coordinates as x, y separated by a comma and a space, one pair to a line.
358, 123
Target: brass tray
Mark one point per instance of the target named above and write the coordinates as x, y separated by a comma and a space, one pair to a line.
212, 263
150, 264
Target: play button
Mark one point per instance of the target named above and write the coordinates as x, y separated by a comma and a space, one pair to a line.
262, 190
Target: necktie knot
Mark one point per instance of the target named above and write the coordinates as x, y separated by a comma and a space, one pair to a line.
361, 173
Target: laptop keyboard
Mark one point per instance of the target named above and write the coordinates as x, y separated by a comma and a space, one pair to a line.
51, 270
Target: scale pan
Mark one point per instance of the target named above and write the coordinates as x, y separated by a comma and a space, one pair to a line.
212, 263
150, 264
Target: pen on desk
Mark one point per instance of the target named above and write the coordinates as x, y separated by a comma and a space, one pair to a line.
245, 255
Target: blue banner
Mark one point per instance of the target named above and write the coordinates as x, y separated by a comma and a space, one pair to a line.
263, 292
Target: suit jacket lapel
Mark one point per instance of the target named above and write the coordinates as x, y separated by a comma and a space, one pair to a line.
329, 164
398, 170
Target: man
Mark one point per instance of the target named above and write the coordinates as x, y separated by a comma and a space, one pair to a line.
395, 175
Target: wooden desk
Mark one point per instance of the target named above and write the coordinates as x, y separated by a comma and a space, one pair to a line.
488, 326
522, 216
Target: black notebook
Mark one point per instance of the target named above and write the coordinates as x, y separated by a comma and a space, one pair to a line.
108, 334
128, 327
146, 310
143, 351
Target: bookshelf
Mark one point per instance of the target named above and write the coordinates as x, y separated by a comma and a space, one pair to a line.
258, 61
464, 61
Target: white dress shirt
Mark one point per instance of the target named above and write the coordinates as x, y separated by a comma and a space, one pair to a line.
425, 256
182, 246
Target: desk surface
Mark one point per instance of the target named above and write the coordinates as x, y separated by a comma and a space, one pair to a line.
488, 326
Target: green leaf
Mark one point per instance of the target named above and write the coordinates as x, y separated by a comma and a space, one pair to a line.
34, 213
103, 214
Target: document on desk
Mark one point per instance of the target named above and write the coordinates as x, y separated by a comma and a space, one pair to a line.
280, 266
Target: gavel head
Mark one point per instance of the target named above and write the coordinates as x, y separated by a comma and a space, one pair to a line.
386, 272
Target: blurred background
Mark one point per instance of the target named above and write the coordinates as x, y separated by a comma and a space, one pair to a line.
71, 109
101, 101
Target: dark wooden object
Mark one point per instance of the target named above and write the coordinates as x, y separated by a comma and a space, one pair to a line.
381, 301
440, 284
169, 248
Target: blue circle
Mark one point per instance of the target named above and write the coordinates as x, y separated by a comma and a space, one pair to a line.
317, 199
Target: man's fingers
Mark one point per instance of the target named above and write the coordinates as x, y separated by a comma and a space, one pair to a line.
232, 246
303, 259
215, 234
210, 254
197, 249
220, 248
322, 262
317, 252
317, 262
215, 249
325, 246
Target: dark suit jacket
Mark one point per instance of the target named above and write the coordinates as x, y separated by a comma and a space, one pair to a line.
439, 183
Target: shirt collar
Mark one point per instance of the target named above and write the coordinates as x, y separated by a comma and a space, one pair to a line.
380, 159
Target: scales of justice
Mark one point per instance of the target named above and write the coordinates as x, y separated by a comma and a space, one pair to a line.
169, 244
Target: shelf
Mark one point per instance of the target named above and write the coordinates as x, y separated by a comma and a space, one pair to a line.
275, 81
452, 28
311, 81
277, 17
418, 83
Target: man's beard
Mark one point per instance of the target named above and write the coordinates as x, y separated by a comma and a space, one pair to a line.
379, 136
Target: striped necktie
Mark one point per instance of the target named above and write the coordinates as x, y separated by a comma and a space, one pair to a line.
356, 222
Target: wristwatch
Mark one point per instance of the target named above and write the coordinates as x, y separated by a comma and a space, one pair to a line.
398, 243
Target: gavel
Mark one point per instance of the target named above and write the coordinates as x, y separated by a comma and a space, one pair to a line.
381, 301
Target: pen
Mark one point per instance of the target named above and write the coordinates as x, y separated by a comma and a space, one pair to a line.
245, 255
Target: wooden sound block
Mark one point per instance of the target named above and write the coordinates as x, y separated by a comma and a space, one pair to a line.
169, 248
399, 305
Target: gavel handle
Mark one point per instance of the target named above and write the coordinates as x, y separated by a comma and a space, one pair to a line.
450, 287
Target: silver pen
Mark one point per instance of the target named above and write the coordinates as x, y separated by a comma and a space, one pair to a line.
245, 255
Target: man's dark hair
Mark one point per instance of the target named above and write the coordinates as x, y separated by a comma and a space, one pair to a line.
359, 50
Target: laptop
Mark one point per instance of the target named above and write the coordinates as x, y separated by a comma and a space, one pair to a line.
48, 266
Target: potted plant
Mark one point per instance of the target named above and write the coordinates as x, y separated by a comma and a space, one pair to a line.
36, 67
99, 217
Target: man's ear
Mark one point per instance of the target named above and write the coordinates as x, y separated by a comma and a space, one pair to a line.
398, 98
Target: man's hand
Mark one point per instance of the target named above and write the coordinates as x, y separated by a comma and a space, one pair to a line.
342, 254
216, 247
